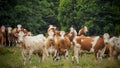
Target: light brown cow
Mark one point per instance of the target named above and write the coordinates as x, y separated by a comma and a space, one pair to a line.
88, 44
83, 31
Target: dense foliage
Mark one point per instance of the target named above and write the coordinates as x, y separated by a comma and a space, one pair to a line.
99, 15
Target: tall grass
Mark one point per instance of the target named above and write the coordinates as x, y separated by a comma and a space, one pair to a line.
10, 57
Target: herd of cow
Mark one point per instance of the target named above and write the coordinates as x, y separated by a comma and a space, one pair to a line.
58, 43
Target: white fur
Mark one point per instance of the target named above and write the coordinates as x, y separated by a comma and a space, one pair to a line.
9, 29
85, 29
32, 44
19, 27
106, 37
62, 33
94, 43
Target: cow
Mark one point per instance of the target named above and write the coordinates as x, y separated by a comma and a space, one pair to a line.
93, 44
49, 43
83, 31
3, 35
15, 32
62, 44
51, 27
32, 44
114, 43
10, 35
72, 34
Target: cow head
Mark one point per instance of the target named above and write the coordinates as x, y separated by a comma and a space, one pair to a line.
71, 29
106, 37
50, 35
20, 36
3, 28
62, 34
9, 29
85, 29
19, 27
51, 27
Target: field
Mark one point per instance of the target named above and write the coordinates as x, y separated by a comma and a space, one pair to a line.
10, 57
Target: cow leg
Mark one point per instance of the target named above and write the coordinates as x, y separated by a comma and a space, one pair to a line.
44, 53
24, 56
55, 55
43, 56
66, 54
100, 53
75, 54
30, 56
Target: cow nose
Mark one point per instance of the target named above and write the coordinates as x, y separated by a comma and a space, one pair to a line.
51, 39
106, 42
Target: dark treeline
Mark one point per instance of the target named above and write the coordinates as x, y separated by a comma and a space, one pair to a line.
99, 15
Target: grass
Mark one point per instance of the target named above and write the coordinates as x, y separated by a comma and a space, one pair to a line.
10, 57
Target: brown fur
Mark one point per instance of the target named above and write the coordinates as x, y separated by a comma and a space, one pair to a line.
62, 45
87, 45
2, 38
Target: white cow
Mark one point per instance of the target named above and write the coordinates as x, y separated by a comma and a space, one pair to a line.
115, 47
114, 43
32, 44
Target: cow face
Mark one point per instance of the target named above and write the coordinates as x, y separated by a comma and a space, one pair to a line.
106, 37
71, 29
62, 34
50, 35
85, 29
19, 27
20, 36
9, 29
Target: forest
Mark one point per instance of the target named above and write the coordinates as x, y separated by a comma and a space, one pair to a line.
100, 16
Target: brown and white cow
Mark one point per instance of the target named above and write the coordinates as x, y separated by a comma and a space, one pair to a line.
72, 34
83, 31
32, 44
88, 44
15, 32
49, 43
62, 44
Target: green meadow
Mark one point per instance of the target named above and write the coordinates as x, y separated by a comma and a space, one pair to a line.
10, 57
